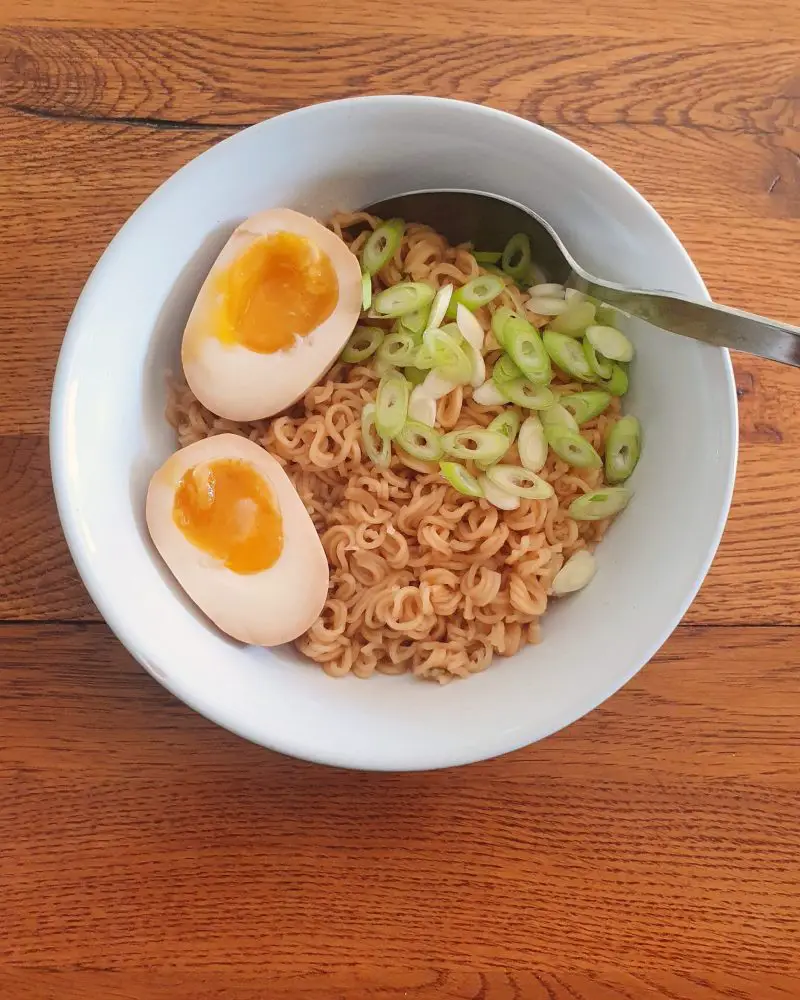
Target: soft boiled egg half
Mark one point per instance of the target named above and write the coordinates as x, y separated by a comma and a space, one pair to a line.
273, 314
234, 532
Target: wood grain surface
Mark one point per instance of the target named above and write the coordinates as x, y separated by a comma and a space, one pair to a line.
652, 850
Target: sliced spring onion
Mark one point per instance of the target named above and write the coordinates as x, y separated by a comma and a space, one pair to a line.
415, 322
519, 482
398, 300
381, 245
607, 315
476, 443
617, 385
476, 292
478, 374
423, 359
575, 318
363, 343
571, 447
494, 269
516, 258
601, 366
547, 305
488, 394
549, 289
586, 406
399, 349
414, 375
558, 414
469, 328
366, 291
460, 479
487, 256
381, 367
499, 320
496, 496
532, 444
573, 295
505, 370
507, 423
436, 385
610, 342
600, 504
422, 407
568, 354
623, 447
524, 345
439, 306
448, 354
381, 452
526, 393
391, 404
576, 572
420, 441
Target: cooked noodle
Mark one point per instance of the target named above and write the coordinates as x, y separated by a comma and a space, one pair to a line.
423, 579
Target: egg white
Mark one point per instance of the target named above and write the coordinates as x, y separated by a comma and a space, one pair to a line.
267, 608
239, 384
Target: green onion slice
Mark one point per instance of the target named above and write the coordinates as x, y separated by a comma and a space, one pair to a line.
381, 245
414, 375
519, 482
469, 328
366, 291
380, 452
571, 447
363, 343
391, 404
441, 301
487, 256
460, 479
415, 322
422, 407
508, 423
523, 343
420, 441
499, 320
423, 359
488, 394
526, 393
600, 504
617, 385
505, 370
401, 299
497, 496
399, 349
558, 414
575, 318
448, 354
568, 354
585, 406
623, 447
601, 366
516, 258
574, 575
475, 293
532, 444
477, 443
547, 289
436, 385
610, 342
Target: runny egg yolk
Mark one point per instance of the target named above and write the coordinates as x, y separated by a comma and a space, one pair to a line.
280, 287
225, 508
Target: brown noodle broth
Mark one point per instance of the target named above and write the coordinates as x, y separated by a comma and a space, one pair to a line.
423, 579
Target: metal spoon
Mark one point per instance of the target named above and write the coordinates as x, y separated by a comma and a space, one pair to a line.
488, 221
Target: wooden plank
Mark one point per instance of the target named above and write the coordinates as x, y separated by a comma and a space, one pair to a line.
660, 833
241, 76
717, 20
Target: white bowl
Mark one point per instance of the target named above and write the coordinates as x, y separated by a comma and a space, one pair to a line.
108, 434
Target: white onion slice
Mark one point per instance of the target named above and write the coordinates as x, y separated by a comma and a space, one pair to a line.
436, 386
469, 328
496, 496
576, 572
439, 306
422, 407
489, 395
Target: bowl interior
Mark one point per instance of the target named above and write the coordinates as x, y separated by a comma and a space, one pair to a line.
109, 434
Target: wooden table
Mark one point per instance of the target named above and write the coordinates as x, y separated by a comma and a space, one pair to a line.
650, 850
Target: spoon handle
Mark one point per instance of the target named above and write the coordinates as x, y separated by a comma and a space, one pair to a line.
721, 326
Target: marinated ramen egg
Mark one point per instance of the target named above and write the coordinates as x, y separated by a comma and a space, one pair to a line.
273, 314
232, 529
